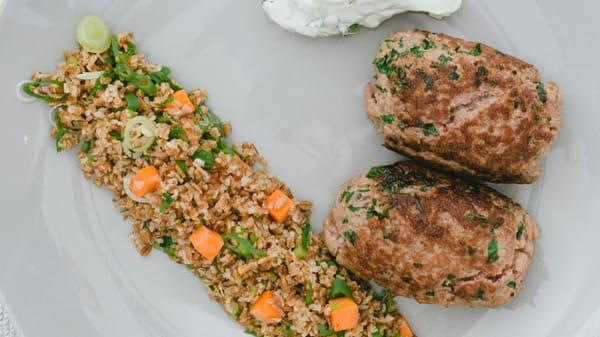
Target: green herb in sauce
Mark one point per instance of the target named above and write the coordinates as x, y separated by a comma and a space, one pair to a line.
492, 251
444, 60
520, 231
541, 91
350, 236
387, 119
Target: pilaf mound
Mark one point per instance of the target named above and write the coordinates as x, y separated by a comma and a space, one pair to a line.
224, 192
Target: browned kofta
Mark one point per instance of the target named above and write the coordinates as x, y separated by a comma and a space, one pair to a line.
431, 237
462, 106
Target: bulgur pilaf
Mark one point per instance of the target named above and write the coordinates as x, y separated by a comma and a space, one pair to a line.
204, 182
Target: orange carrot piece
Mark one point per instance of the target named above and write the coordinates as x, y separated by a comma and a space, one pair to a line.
344, 314
206, 242
404, 329
267, 308
181, 103
278, 204
145, 181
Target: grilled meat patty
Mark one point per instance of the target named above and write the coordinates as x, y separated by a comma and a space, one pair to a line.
432, 237
462, 106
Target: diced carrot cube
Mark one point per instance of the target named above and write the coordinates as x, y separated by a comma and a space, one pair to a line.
267, 308
181, 104
344, 314
207, 242
278, 204
404, 329
145, 181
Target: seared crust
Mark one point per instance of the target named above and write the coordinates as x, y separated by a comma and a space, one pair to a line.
463, 107
429, 236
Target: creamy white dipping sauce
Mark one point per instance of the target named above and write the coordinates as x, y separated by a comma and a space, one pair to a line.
331, 17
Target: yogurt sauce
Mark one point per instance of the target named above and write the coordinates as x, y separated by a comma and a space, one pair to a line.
331, 17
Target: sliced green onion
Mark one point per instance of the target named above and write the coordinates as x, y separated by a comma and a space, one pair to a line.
166, 203
148, 130
242, 246
182, 166
117, 54
163, 76
308, 296
28, 88
302, 250
145, 84
61, 131
19, 91
207, 157
91, 75
72, 60
133, 103
178, 133
124, 72
340, 288
93, 34
85, 146
115, 134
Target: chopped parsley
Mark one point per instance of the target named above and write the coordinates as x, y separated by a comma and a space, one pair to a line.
481, 71
416, 50
444, 60
429, 130
541, 91
492, 251
427, 44
353, 208
427, 79
115, 134
387, 119
406, 279
430, 293
386, 234
85, 146
168, 200
520, 231
516, 102
453, 76
345, 220
350, 236
475, 51
478, 294
511, 284
347, 196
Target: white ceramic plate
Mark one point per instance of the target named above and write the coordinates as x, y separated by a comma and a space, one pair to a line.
67, 267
